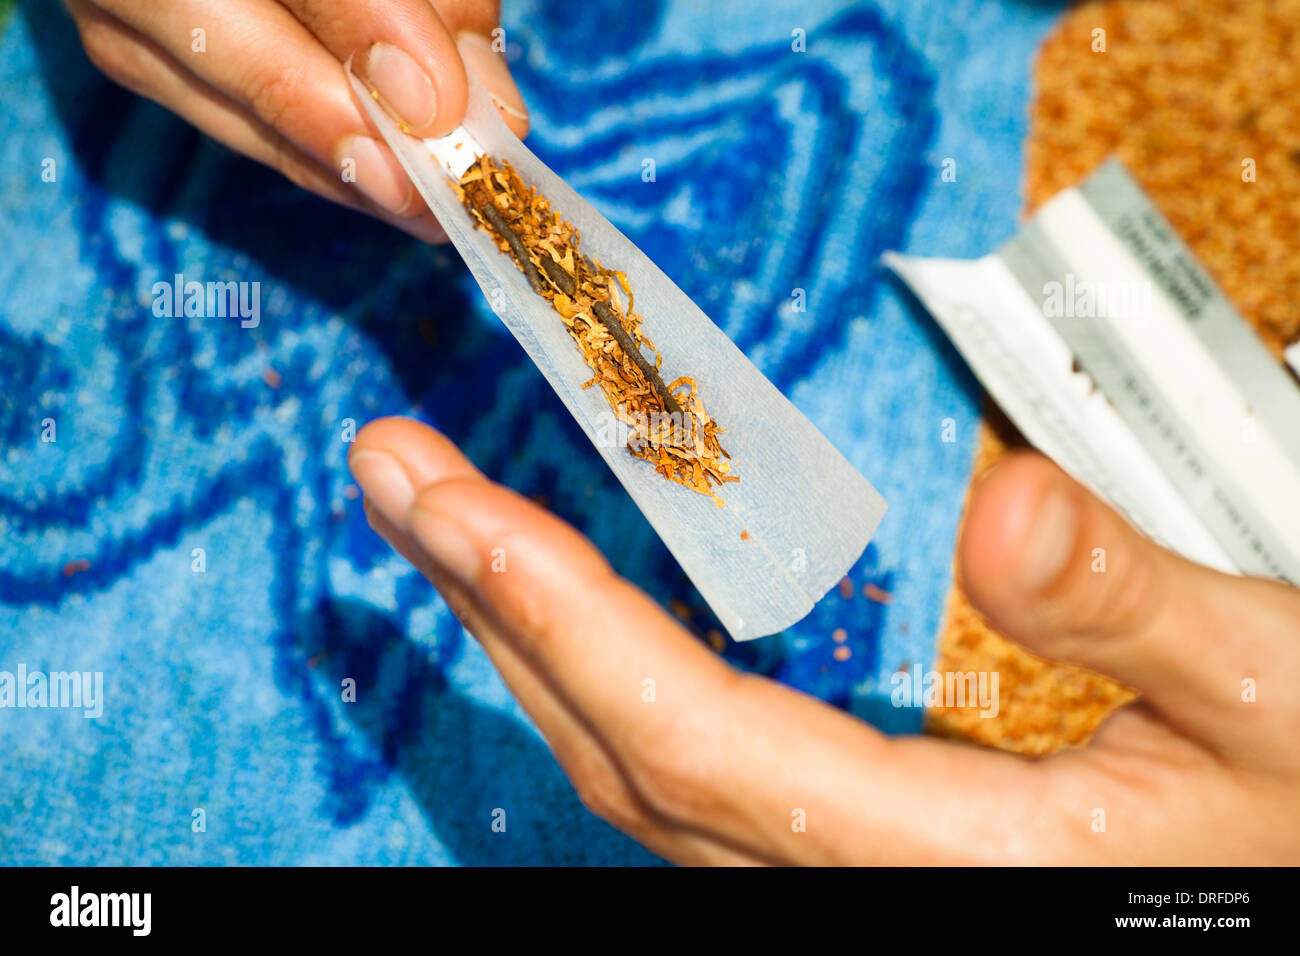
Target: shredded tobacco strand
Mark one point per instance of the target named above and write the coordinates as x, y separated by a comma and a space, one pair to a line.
669, 425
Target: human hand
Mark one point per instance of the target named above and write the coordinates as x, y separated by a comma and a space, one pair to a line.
268, 81
720, 766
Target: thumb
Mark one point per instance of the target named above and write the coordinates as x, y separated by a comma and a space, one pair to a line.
1058, 571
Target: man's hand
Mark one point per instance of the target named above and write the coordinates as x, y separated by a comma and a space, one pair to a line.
265, 77
720, 765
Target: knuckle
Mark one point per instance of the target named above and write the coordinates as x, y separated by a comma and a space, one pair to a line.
603, 793
321, 19
424, 497
104, 50
1120, 602
1129, 601
536, 617
680, 785
273, 94
678, 763
540, 623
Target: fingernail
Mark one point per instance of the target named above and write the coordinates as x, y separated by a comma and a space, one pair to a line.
402, 84
447, 544
492, 71
1049, 543
384, 483
376, 173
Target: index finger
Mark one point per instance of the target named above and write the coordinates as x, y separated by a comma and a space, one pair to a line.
733, 755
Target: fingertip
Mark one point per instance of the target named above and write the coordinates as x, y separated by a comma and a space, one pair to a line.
509, 549
487, 509
402, 84
1045, 561
418, 77
437, 522
499, 521
1019, 531
519, 125
426, 454
374, 172
388, 432
482, 56
456, 494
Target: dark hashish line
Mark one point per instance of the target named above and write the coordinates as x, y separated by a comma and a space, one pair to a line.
566, 284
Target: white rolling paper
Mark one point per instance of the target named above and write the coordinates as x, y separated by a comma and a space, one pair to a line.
805, 511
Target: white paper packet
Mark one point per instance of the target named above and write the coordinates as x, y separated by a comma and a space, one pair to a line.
1112, 349
801, 514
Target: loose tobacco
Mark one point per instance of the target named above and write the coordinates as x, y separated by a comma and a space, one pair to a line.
670, 427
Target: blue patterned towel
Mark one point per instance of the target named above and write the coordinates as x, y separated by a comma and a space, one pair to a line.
192, 532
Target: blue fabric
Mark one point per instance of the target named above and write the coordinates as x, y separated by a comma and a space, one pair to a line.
776, 170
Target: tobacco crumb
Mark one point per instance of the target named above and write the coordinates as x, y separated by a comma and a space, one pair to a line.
843, 653
680, 609
839, 635
744, 536
670, 426
75, 567
846, 587
873, 593
716, 640
272, 378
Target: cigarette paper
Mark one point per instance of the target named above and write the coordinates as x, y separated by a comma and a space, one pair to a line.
801, 514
